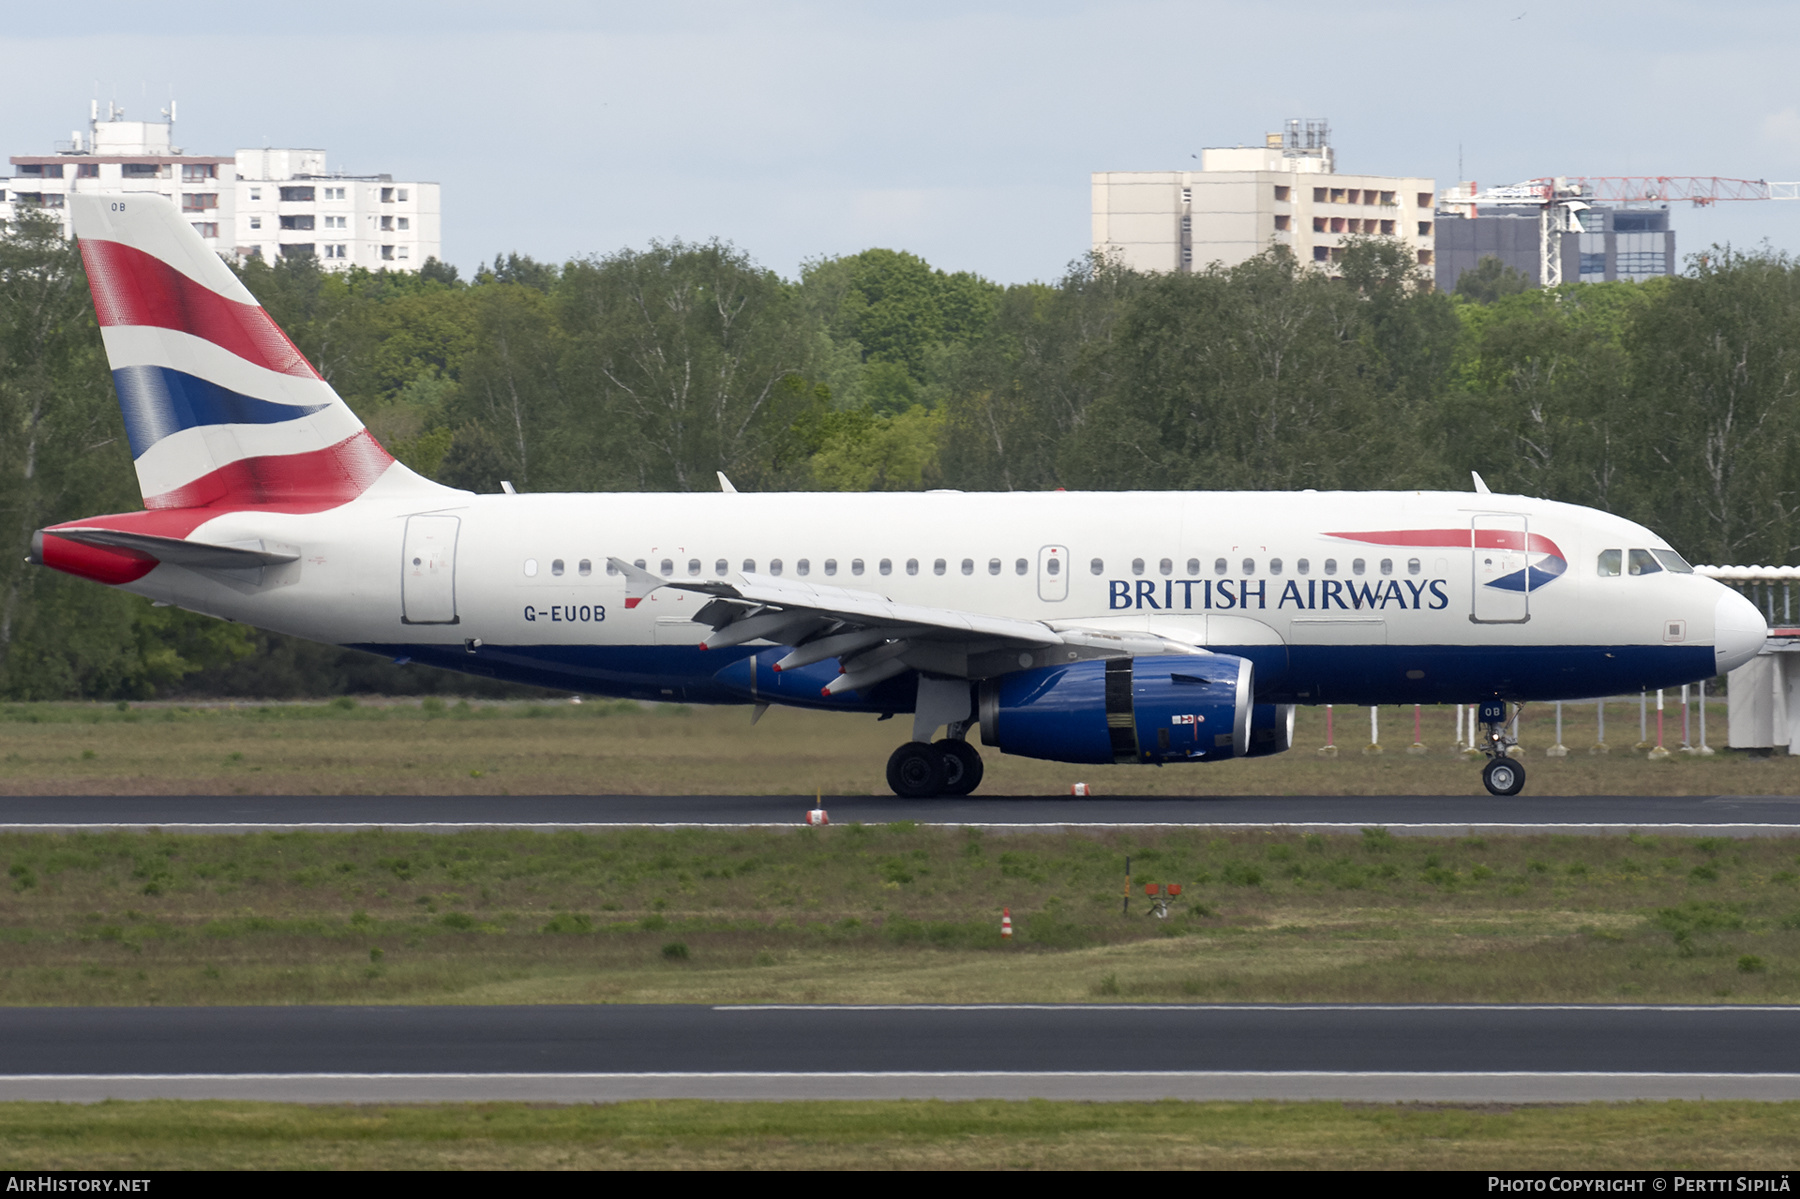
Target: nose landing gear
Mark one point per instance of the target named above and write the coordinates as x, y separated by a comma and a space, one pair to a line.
1502, 775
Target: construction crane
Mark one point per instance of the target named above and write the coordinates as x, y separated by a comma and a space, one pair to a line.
1560, 199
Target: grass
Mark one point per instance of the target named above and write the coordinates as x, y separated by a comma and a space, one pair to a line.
435, 748
901, 1134
892, 913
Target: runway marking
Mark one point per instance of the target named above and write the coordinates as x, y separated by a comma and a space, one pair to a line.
1775, 1009
748, 1086
1414, 828
597, 1076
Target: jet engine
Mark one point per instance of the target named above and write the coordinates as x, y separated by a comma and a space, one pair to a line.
1151, 709
1271, 730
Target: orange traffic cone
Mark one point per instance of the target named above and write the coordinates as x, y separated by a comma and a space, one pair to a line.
1006, 924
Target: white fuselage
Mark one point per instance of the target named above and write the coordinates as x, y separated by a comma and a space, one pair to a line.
1337, 596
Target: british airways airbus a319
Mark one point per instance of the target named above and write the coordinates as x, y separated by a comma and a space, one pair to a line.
1078, 627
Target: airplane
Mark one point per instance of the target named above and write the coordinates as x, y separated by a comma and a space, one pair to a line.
1086, 627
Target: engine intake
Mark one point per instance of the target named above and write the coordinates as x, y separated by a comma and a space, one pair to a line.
1152, 709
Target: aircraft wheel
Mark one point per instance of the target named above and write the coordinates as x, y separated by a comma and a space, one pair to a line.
962, 766
916, 771
1503, 776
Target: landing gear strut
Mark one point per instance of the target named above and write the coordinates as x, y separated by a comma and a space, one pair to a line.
918, 770
1502, 775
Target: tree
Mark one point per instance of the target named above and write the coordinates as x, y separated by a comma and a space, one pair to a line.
1716, 361
1491, 280
682, 360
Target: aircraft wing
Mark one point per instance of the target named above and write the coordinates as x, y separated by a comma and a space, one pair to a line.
874, 637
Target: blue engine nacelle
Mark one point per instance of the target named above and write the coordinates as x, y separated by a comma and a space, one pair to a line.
1155, 709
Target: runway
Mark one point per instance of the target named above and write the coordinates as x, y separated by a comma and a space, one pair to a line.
1476, 1053
1716, 815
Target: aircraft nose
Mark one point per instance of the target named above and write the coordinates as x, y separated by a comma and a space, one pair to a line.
1738, 631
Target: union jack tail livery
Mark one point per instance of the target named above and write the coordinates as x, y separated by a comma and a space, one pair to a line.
221, 410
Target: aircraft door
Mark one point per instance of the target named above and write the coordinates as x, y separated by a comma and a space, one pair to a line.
428, 570
1502, 582
1053, 573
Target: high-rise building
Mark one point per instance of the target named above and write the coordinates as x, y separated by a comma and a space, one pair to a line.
255, 204
1243, 200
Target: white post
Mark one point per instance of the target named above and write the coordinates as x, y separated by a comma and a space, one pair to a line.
1687, 746
1704, 747
1600, 725
1374, 733
1559, 750
1643, 719
1459, 715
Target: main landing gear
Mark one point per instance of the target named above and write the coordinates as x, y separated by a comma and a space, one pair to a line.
1503, 774
921, 770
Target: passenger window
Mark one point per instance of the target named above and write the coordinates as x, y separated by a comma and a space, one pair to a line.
1249, 566
1673, 562
1137, 566
803, 567
1095, 567
694, 567
1166, 566
531, 568
1412, 566
1274, 566
720, 568
1331, 566
668, 567
968, 566
775, 566
1303, 566
912, 566
556, 567
886, 566
749, 566
1356, 566
1609, 564
938, 566
831, 566
1022, 566
639, 563
1387, 566
856, 566
1642, 563
1220, 566
1193, 566
611, 569
585, 569
993, 566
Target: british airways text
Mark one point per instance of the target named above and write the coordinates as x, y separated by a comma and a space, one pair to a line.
1181, 595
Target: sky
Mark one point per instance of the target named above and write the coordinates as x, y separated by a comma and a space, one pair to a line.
964, 133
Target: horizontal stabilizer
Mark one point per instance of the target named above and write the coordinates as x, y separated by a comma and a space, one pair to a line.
245, 555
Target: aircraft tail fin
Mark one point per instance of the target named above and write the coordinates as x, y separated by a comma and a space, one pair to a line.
220, 408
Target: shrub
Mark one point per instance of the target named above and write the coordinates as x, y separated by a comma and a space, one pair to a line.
460, 921
675, 951
568, 922
1241, 874
653, 924
1750, 964
1377, 840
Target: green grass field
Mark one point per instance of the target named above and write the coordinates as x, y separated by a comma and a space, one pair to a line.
901, 1135
892, 913
861, 914
432, 748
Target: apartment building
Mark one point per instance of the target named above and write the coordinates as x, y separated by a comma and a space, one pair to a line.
269, 203
1243, 200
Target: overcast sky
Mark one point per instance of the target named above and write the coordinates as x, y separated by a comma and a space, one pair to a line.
962, 132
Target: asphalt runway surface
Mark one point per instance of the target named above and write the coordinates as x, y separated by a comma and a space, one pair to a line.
610, 1052
1726, 815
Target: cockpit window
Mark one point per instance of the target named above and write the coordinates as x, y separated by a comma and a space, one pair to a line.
1642, 562
1610, 563
1673, 561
